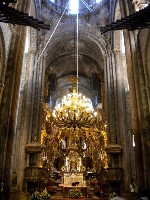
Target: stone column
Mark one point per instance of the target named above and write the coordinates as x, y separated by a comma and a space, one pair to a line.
137, 117
25, 119
39, 94
135, 94
144, 116
9, 104
109, 90
117, 113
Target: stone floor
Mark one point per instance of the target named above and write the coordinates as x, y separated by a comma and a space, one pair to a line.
62, 198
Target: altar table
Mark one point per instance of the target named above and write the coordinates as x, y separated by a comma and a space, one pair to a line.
68, 178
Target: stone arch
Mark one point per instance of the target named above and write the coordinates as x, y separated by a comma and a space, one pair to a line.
95, 39
56, 50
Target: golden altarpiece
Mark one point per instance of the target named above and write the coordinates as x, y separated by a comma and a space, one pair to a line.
73, 150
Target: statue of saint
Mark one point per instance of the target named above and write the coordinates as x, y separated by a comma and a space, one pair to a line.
73, 165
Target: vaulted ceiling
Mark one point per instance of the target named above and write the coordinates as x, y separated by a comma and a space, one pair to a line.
61, 50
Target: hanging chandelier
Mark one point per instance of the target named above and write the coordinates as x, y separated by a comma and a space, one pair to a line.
75, 111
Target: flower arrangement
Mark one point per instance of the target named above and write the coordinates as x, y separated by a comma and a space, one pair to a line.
112, 195
36, 196
45, 194
75, 193
39, 196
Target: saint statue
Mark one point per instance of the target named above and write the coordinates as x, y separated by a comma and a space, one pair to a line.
73, 165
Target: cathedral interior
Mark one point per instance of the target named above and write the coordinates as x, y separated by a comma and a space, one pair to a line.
74, 99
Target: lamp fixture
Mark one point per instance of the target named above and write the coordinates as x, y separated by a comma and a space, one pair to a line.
75, 110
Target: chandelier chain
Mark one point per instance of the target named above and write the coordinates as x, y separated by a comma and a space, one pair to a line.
77, 52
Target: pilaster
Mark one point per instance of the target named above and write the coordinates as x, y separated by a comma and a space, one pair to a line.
144, 116
24, 133
118, 114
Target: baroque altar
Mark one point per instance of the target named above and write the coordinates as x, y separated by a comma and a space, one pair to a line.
74, 181
69, 179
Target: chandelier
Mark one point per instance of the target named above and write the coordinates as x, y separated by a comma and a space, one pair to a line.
74, 111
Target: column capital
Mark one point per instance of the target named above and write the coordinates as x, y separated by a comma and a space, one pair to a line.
108, 53
117, 51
